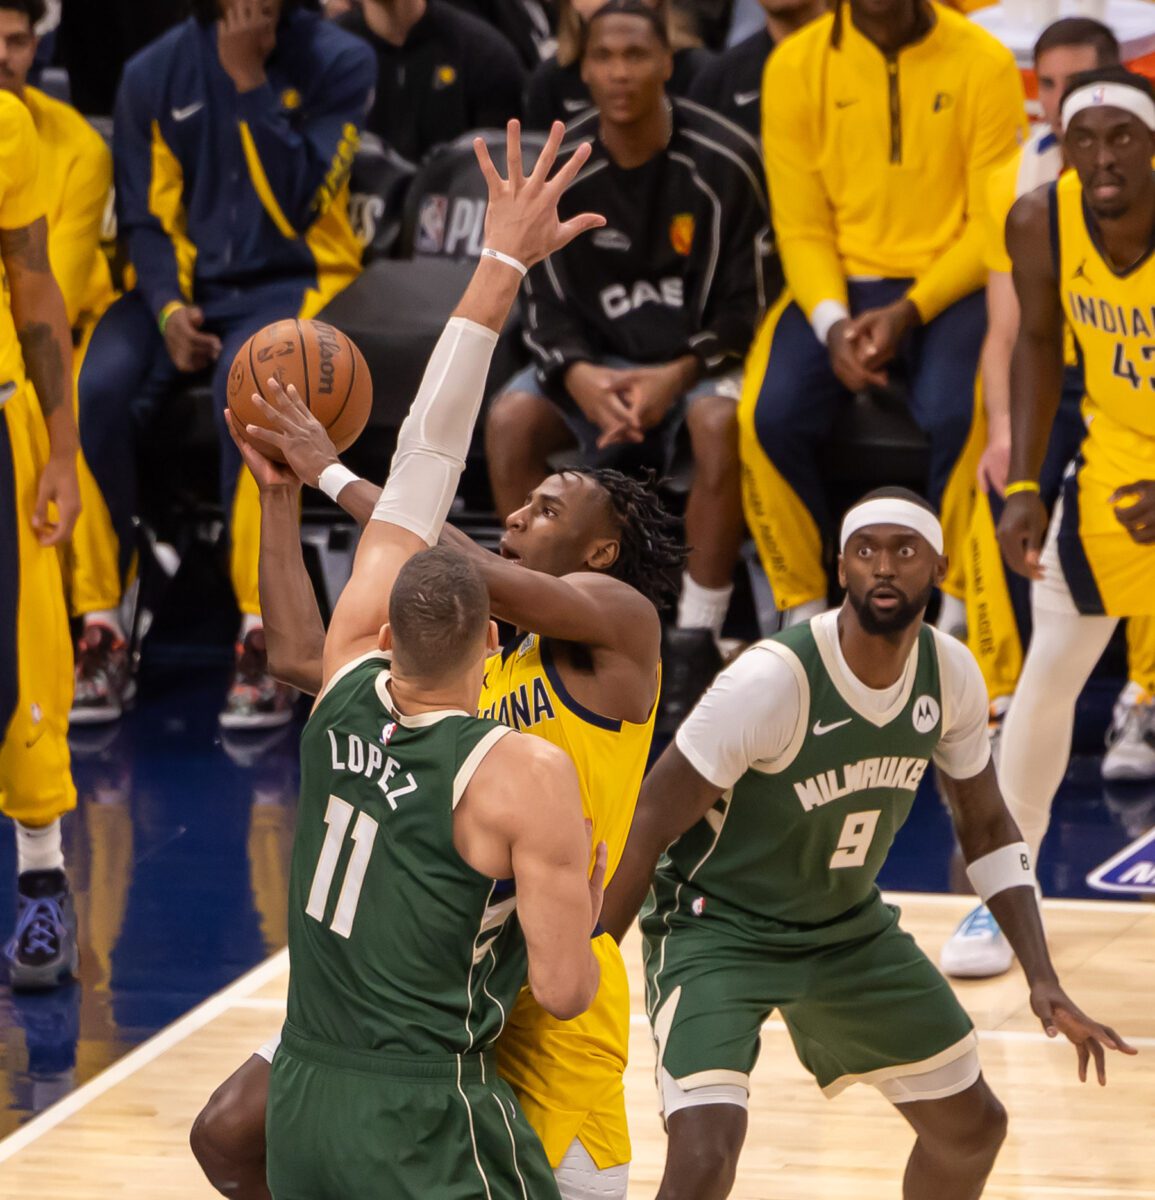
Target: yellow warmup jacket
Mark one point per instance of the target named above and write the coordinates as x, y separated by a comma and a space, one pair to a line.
878, 163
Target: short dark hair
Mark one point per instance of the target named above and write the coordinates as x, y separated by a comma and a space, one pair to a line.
897, 493
629, 8
34, 10
1080, 31
1109, 75
651, 549
438, 612
207, 11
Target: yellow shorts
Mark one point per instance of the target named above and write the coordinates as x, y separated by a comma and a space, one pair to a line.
568, 1074
35, 648
1091, 562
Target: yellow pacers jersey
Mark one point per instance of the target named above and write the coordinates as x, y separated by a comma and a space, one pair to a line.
568, 1074
21, 203
1112, 317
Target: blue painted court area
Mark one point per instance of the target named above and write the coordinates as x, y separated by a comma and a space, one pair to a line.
179, 853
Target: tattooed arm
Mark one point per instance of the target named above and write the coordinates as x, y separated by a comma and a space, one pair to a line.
46, 343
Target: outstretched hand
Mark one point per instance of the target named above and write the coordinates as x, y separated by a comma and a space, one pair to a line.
1059, 1015
521, 219
265, 471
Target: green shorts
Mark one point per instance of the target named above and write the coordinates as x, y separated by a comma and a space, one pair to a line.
344, 1123
870, 1008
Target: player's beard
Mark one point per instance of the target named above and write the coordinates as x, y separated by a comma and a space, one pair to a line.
902, 617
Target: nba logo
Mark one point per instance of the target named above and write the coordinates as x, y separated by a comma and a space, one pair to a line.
388, 732
1098, 95
431, 224
699, 906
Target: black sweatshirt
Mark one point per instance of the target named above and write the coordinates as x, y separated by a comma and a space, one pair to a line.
731, 84
454, 74
683, 265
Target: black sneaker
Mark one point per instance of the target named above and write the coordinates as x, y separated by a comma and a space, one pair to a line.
42, 952
104, 683
256, 700
690, 660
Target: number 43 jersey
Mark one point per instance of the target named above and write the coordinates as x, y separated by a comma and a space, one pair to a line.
818, 773
396, 944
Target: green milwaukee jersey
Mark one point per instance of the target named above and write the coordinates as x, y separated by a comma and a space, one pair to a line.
396, 944
800, 842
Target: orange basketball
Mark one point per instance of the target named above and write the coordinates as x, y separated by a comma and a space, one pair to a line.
326, 368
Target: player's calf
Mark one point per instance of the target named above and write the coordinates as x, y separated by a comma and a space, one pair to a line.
228, 1136
959, 1138
702, 1156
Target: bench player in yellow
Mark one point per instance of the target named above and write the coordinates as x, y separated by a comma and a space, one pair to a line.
76, 184
1082, 252
39, 502
583, 564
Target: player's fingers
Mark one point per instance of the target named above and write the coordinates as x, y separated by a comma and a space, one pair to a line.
576, 226
271, 412
1100, 1060
1128, 489
1112, 1039
492, 177
513, 154
569, 169
548, 155
234, 430
1083, 1058
265, 439
1046, 1014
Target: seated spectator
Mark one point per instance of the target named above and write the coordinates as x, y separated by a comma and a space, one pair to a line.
527, 24
878, 180
644, 326
234, 134
441, 72
731, 84
75, 182
557, 90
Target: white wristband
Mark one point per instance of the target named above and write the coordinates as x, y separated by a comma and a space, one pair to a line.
1006, 867
508, 259
826, 314
334, 478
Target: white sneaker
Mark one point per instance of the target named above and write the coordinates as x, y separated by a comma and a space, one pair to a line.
977, 949
1131, 738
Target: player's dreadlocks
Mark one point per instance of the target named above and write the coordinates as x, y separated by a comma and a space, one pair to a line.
652, 551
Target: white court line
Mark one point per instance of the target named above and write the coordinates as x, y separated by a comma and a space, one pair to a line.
991, 1035
144, 1054
262, 1003
948, 899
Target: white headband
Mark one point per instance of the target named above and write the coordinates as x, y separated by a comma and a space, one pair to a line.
892, 510
1111, 95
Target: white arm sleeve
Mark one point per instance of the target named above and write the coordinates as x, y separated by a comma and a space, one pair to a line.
965, 747
753, 715
435, 436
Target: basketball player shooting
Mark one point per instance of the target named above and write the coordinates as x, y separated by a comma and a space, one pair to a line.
776, 807
381, 1034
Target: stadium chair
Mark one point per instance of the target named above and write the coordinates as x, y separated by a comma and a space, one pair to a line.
378, 182
445, 209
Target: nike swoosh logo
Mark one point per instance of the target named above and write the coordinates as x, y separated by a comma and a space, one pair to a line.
743, 98
844, 103
820, 729
575, 105
183, 114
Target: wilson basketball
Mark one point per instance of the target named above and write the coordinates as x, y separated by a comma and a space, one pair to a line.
326, 368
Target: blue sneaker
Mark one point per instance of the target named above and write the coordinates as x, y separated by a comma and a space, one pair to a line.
977, 949
42, 952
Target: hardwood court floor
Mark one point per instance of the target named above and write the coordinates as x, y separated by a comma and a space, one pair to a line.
123, 1136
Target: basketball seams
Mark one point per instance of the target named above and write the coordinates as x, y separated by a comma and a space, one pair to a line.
305, 373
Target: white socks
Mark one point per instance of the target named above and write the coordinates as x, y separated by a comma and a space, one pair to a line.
802, 612
39, 849
106, 616
702, 607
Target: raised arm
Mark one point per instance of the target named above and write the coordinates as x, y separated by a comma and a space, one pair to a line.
294, 631
1036, 375
521, 224
1000, 869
